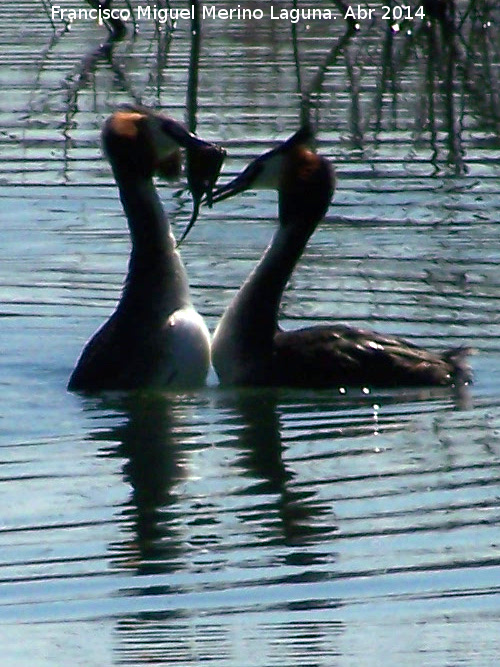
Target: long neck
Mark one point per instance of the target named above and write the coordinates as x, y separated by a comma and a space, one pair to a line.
156, 274
251, 321
253, 315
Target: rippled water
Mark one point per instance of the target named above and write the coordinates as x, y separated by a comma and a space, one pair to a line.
253, 527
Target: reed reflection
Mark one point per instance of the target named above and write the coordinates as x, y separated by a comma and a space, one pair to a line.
440, 37
447, 56
194, 66
116, 26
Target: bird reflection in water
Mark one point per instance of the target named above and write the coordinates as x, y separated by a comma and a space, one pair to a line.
154, 463
298, 516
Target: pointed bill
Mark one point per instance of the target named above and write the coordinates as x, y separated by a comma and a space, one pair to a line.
204, 162
264, 172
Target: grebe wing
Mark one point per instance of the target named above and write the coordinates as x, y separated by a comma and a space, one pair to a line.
101, 364
340, 355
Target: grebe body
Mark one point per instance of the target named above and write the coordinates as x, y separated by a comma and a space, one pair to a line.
249, 347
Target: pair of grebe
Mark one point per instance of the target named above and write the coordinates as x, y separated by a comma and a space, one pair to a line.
155, 338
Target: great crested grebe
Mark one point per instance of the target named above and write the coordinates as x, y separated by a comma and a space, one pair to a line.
155, 337
249, 348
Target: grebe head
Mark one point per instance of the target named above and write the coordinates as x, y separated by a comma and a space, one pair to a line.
135, 142
305, 181
265, 171
141, 143
203, 165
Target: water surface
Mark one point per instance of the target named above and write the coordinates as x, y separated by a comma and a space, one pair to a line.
253, 527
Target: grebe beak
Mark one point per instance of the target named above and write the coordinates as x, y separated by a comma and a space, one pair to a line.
244, 181
203, 159
265, 171
203, 164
